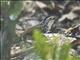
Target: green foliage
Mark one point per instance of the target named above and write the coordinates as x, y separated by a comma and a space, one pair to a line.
15, 8
9, 9
64, 52
12, 7
41, 46
51, 50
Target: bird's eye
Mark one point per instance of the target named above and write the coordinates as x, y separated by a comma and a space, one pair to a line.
50, 18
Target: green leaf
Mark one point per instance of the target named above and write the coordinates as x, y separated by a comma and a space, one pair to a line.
64, 52
41, 46
15, 9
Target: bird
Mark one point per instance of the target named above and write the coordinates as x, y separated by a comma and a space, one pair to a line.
48, 22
